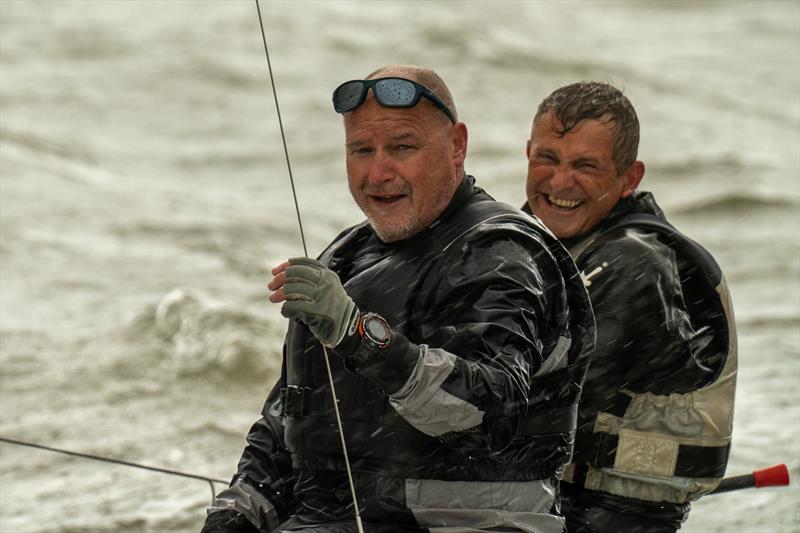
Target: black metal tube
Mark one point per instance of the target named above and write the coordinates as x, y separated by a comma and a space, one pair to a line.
735, 483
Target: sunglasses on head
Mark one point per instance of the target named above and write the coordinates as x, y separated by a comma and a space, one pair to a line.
389, 92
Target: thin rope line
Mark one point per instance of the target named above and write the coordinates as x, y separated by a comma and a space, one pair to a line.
209, 480
305, 250
283, 136
341, 436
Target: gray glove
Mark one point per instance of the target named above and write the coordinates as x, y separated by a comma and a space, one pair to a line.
315, 297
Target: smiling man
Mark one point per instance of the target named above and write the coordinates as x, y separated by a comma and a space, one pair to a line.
458, 331
575, 179
656, 411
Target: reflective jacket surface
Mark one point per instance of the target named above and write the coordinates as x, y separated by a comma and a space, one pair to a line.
479, 415
657, 408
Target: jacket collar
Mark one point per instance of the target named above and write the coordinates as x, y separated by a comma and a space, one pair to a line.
464, 191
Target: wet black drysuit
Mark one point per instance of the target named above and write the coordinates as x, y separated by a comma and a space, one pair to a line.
656, 412
470, 425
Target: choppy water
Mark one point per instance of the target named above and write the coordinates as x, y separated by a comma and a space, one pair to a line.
143, 196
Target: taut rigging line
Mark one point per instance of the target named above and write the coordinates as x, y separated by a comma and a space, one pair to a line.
209, 480
305, 250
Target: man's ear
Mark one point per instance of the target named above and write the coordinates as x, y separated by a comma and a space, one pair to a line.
528, 150
459, 137
632, 177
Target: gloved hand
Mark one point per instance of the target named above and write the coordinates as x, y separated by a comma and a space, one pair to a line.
228, 521
313, 295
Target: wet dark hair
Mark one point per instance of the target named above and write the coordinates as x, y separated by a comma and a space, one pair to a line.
587, 100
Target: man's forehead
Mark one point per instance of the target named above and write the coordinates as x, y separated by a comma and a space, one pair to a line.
361, 137
395, 121
598, 132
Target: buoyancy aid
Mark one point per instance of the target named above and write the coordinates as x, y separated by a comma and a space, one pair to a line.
667, 447
400, 282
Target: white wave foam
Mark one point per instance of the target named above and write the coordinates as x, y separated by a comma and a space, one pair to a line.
199, 335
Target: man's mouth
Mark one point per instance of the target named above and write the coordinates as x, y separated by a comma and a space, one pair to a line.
562, 203
386, 199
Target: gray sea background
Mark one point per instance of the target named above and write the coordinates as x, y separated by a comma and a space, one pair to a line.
144, 197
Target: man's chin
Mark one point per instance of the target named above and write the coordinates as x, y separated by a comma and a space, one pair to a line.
561, 229
390, 231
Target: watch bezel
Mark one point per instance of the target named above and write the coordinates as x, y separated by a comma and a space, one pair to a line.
366, 334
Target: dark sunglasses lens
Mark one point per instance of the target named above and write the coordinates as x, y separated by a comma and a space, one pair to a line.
393, 92
348, 96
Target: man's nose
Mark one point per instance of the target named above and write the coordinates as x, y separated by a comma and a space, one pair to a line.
562, 178
381, 169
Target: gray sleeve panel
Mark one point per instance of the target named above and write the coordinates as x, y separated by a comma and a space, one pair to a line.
482, 521
535, 496
245, 499
476, 506
425, 405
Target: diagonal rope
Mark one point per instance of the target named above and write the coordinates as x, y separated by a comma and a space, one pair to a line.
283, 136
305, 250
209, 480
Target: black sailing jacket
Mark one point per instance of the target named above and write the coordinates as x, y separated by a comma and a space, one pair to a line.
502, 329
657, 407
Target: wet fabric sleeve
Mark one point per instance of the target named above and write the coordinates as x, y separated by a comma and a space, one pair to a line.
645, 339
484, 315
261, 489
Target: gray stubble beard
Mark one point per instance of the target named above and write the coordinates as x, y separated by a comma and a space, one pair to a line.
396, 232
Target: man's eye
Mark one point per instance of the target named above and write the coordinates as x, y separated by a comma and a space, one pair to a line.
547, 158
361, 151
404, 147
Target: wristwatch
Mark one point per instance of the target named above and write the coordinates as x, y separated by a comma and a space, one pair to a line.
375, 335
374, 330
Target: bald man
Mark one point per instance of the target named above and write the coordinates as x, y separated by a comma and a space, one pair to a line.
457, 330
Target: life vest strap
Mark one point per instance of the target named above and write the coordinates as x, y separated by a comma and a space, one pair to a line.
692, 461
293, 401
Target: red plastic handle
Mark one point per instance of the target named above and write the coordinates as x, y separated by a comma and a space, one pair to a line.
772, 476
